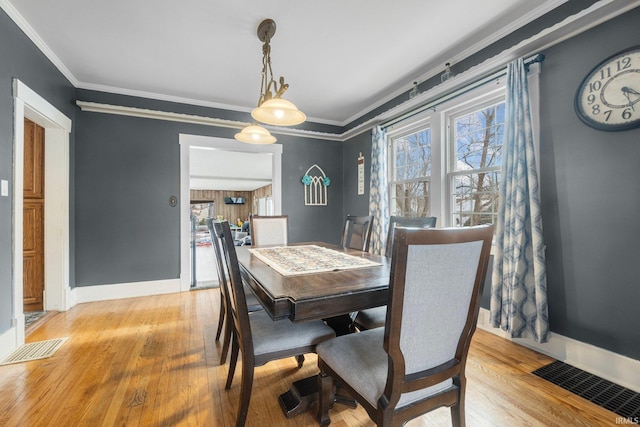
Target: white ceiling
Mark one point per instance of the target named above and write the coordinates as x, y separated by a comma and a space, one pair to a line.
212, 169
340, 58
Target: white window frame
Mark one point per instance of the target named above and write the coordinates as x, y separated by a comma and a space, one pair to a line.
421, 123
442, 146
449, 116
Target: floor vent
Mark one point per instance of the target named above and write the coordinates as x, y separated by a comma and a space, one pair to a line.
611, 396
34, 351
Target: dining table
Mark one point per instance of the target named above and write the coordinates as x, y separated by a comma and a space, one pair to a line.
331, 293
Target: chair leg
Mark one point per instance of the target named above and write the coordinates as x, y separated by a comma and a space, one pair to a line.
457, 410
221, 317
245, 394
232, 365
228, 331
325, 398
457, 415
300, 359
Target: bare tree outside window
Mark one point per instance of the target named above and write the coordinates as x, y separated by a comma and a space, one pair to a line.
476, 174
446, 161
411, 170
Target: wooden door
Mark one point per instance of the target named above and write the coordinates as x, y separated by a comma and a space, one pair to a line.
33, 214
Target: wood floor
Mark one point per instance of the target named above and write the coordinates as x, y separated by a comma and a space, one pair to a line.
153, 361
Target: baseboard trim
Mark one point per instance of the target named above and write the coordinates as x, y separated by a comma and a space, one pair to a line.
8, 342
612, 366
82, 294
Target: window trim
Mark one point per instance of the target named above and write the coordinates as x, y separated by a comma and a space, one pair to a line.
438, 119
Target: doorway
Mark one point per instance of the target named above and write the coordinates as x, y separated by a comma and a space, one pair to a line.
229, 146
33, 218
57, 293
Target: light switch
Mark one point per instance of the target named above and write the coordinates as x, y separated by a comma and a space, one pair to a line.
4, 188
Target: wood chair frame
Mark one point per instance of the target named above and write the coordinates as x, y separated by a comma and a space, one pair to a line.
385, 412
367, 223
242, 341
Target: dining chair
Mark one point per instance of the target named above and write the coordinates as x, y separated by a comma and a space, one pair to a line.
375, 317
223, 320
357, 232
416, 363
255, 335
401, 221
269, 230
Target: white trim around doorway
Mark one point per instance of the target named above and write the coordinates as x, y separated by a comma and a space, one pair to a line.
28, 104
225, 144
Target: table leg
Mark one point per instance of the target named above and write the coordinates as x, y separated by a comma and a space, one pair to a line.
343, 324
304, 392
297, 399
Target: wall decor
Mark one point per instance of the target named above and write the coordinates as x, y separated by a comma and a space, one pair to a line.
315, 186
609, 96
360, 174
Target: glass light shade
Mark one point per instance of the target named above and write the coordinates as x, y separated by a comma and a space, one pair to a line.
255, 134
278, 112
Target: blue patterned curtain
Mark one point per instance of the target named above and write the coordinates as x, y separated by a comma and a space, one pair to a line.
519, 282
378, 197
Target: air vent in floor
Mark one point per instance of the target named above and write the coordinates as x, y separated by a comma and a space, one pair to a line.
607, 394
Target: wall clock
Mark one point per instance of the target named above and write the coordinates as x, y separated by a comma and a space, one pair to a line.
609, 96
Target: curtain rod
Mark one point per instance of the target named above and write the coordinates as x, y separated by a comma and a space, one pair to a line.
500, 73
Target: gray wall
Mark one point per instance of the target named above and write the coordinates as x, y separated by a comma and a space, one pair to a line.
128, 167
355, 204
124, 169
590, 198
20, 59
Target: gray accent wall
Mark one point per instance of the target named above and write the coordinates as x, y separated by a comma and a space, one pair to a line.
355, 204
123, 171
128, 167
590, 199
126, 170
20, 59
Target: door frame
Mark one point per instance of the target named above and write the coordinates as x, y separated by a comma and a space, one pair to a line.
28, 104
225, 144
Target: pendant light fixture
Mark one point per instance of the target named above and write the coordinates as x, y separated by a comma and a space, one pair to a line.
272, 108
255, 134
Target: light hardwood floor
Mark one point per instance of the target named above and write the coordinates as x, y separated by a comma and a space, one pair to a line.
153, 361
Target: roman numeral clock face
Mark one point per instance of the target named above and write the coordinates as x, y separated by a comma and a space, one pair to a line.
609, 96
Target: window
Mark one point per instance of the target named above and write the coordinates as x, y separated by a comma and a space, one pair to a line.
265, 205
411, 169
474, 173
446, 162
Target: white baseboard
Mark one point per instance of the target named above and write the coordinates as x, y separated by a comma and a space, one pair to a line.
12, 338
8, 342
614, 367
81, 294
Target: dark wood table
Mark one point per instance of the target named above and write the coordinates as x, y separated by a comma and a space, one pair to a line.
314, 296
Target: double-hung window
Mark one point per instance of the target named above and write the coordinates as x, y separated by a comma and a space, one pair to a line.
474, 141
411, 172
446, 161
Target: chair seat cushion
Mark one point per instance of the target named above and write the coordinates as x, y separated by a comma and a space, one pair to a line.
360, 360
371, 317
273, 336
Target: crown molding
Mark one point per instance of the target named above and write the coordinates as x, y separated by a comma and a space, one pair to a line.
435, 67
96, 107
571, 26
181, 100
37, 40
